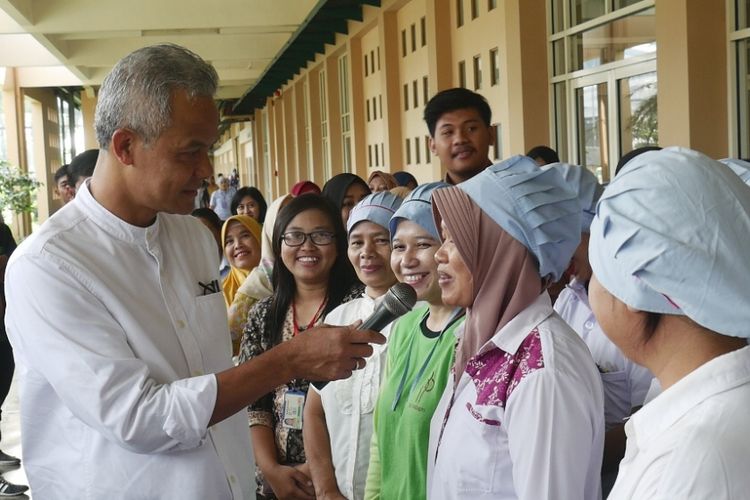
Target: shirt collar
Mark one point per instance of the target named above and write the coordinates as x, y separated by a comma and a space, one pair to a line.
509, 337
110, 222
718, 375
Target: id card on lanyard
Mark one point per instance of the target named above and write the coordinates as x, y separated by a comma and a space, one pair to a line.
294, 404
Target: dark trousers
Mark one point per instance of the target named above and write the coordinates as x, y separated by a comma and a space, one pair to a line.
7, 366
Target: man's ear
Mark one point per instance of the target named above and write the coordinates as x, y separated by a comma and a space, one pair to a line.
432, 146
122, 145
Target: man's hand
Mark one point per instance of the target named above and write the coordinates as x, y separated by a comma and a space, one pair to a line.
331, 352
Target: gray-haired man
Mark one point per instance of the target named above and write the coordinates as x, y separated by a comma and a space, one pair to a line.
117, 318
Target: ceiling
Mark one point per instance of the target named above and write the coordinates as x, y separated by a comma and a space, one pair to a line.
76, 42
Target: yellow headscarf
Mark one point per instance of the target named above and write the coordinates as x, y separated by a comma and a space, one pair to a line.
236, 275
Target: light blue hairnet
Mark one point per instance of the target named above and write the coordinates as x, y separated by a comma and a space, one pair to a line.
534, 206
586, 186
417, 208
670, 236
376, 207
739, 167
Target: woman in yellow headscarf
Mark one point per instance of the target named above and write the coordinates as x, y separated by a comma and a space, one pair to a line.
241, 236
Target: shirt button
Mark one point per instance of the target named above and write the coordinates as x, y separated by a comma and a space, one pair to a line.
180, 323
589, 325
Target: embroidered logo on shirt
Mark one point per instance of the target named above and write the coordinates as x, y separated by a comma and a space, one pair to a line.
210, 287
497, 373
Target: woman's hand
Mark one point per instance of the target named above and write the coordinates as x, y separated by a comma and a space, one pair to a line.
290, 483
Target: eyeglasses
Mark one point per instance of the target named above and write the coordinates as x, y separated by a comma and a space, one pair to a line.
298, 238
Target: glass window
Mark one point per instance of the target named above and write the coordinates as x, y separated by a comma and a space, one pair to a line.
462, 74
743, 97
491, 4
403, 43
372, 61
619, 4
459, 13
494, 67
619, 40
406, 97
425, 90
742, 19
558, 57
593, 129
413, 37
498, 147
427, 148
423, 30
408, 151
558, 18
369, 155
367, 67
415, 93
474, 9
377, 156
378, 57
586, 10
417, 151
477, 72
638, 117
561, 119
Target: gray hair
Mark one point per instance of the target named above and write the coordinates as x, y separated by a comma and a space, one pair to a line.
137, 93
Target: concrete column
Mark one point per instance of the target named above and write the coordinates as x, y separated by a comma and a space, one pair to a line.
88, 106
527, 79
357, 106
692, 75
390, 83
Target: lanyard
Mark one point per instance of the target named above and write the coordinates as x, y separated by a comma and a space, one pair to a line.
315, 317
457, 313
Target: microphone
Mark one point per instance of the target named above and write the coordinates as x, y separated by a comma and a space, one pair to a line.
398, 300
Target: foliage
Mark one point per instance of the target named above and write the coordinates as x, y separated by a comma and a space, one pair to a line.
17, 189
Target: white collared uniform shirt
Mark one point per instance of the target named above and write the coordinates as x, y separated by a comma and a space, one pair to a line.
625, 382
691, 441
116, 337
349, 405
526, 419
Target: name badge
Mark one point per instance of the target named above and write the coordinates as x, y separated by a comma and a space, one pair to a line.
294, 405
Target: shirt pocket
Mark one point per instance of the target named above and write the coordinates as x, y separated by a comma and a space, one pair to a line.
482, 440
212, 329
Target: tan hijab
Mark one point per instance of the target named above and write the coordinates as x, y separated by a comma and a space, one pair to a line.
506, 276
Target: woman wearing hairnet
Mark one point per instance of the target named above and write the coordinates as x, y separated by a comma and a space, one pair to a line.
521, 417
669, 250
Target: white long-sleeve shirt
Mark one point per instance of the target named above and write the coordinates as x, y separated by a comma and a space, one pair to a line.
526, 419
116, 346
691, 441
625, 382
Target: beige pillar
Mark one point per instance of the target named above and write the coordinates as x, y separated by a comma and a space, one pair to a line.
88, 107
390, 83
357, 107
527, 78
334, 114
692, 75
439, 28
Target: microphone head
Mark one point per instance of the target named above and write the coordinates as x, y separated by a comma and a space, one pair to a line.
400, 299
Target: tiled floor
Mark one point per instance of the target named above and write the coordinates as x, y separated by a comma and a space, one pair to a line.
11, 444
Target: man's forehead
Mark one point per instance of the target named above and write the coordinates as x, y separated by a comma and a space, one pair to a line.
459, 117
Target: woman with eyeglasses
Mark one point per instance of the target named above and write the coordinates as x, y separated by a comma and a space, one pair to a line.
311, 277
338, 426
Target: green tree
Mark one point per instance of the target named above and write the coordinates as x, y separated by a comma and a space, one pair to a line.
17, 189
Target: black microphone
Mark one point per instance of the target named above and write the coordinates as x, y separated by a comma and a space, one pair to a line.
398, 300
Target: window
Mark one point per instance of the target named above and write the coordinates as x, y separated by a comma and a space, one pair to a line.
366, 66
423, 30
406, 97
382, 154
403, 43
494, 67
425, 90
367, 105
477, 72
372, 61
346, 132
369, 155
491, 4
415, 93
638, 116
413, 37
459, 13
474, 9
377, 159
427, 151
498, 148
323, 100
462, 74
408, 152
380, 105
378, 58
